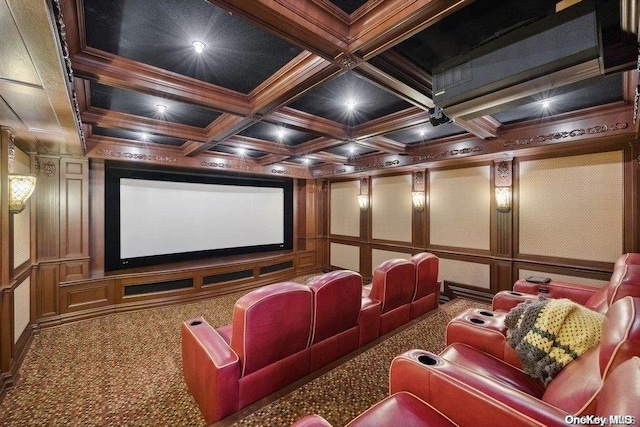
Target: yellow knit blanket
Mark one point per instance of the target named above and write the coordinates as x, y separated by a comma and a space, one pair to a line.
547, 334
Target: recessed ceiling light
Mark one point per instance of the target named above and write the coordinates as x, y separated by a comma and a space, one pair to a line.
242, 151
198, 46
280, 133
306, 160
545, 103
161, 108
144, 136
351, 105
352, 149
422, 132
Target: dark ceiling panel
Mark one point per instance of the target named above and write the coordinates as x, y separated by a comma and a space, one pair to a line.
141, 104
138, 136
473, 25
350, 150
349, 6
238, 151
330, 101
424, 133
567, 98
277, 133
237, 54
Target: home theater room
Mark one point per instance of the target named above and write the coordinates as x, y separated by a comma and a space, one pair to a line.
318, 213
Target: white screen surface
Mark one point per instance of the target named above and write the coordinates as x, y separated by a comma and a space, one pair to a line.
165, 217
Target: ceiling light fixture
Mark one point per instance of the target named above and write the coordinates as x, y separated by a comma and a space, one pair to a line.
242, 151
422, 132
144, 136
161, 108
198, 46
545, 103
351, 105
280, 133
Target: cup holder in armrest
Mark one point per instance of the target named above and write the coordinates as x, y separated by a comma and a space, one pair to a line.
425, 359
476, 321
195, 323
486, 313
518, 294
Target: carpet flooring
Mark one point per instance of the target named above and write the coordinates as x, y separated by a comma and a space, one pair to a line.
125, 369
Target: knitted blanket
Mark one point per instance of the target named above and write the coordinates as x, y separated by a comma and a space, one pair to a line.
547, 334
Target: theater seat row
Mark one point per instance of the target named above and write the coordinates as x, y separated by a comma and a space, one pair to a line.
469, 384
282, 332
617, 404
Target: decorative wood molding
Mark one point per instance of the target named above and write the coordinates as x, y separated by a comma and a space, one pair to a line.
574, 133
503, 173
419, 181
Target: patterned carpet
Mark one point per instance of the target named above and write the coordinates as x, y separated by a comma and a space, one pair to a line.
125, 370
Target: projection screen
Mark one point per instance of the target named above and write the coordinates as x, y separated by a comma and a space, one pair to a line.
151, 221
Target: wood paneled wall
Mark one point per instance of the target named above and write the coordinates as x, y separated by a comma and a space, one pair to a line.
461, 207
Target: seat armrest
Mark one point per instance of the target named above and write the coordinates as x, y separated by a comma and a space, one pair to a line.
211, 369
369, 321
575, 292
467, 397
504, 301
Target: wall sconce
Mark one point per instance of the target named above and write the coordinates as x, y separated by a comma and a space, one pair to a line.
418, 200
363, 201
503, 199
20, 186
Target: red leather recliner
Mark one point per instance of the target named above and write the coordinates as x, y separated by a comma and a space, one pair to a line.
470, 377
278, 334
393, 285
427, 289
343, 320
486, 331
265, 348
617, 403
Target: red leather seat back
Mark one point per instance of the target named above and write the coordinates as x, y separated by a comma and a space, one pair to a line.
574, 389
337, 302
625, 281
620, 394
426, 274
393, 283
271, 323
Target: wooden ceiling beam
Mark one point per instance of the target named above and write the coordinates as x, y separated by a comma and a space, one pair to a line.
328, 157
271, 159
116, 71
259, 144
292, 81
113, 119
483, 127
389, 24
318, 144
402, 119
305, 24
385, 145
308, 122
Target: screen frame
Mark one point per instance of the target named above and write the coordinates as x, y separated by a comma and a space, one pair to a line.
115, 171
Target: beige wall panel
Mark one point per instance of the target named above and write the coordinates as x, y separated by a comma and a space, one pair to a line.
391, 208
21, 221
21, 308
345, 213
459, 206
572, 207
344, 256
563, 278
466, 273
378, 256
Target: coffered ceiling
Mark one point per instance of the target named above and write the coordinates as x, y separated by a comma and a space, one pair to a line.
316, 87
